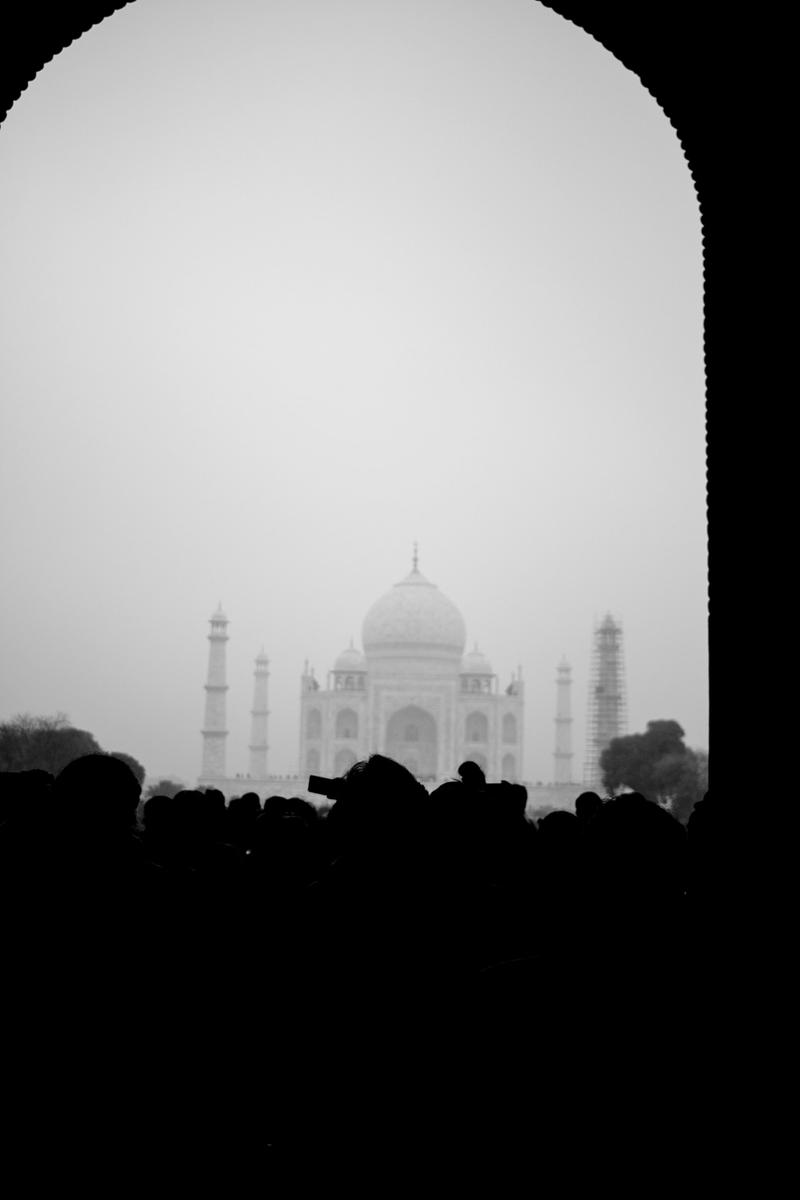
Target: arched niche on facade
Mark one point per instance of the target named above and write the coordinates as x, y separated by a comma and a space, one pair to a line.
346, 723
312, 760
476, 728
509, 768
509, 728
313, 723
411, 736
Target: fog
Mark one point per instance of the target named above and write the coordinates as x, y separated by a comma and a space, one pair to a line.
289, 285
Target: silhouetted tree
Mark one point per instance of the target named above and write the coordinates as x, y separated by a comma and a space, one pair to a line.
131, 762
30, 743
164, 787
692, 784
656, 763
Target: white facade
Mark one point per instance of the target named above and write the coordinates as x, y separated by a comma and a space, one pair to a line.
413, 695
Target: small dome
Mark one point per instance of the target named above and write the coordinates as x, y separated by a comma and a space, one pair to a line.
350, 660
476, 663
414, 617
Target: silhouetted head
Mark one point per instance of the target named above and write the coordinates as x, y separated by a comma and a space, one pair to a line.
36, 780
279, 808
587, 806
444, 814
378, 776
158, 813
559, 827
36, 786
447, 796
378, 795
185, 805
283, 841
243, 812
98, 792
513, 801
186, 797
207, 814
25, 797
249, 803
246, 807
471, 775
640, 847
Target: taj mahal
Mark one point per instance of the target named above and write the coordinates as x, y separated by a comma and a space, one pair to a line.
412, 693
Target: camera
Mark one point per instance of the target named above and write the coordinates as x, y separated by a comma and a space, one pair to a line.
473, 778
332, 788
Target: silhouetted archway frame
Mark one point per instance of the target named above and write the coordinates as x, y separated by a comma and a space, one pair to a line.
651, 40
687, 66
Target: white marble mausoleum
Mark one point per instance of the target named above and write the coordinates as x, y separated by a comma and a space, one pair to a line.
411, 692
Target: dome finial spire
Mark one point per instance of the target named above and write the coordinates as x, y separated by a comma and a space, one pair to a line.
415, 559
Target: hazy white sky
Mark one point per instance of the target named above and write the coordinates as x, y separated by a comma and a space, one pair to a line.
290, 283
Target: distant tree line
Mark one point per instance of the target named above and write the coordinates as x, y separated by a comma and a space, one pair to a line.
30, 743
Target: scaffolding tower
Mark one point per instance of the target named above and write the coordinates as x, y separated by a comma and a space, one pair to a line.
607, 715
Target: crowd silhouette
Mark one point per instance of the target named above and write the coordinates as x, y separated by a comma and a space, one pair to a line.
445, 942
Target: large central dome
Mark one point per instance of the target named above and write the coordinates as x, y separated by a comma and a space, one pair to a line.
414, 618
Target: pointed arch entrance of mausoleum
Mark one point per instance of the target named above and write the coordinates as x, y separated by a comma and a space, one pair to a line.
411, 739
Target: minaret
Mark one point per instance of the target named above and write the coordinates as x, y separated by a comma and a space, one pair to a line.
520, 694
563, 751
259, 714
214, 731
